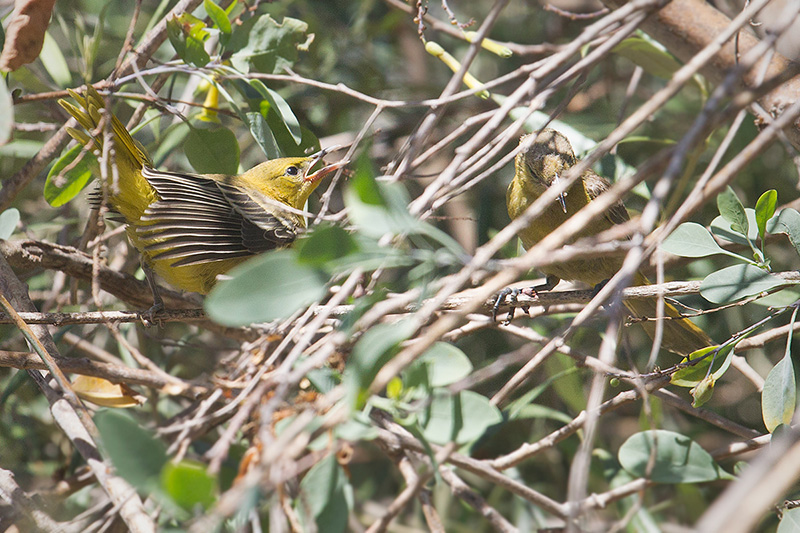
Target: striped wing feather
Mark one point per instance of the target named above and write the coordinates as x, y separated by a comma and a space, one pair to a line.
201, 220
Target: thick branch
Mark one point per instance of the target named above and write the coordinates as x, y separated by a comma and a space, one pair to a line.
685, 27
114, 373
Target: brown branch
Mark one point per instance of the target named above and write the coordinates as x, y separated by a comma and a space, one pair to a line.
111, 372
76, 424
20, 509
685, 27
528, 450
104, 317
29, 255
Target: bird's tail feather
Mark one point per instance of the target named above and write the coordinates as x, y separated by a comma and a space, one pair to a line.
90, 117
681, 336
129, 192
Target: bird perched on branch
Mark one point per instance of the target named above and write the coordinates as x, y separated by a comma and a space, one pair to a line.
190, 228
545, 157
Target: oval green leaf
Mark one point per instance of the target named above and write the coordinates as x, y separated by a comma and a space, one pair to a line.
678, 459
691, 376
375, 347
790, 521
8, 222
736, 282
271, 286
459, 418
325, 244
779, 397
722, 229
652, 59
135, 452
324, 495
732, 210
6, 113
788, 222
441, 365
263, 135
189, 484
67, 177
765, 209
212, 151
218, 16
690, 239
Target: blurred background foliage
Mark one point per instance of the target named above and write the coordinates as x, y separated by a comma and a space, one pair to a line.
373, 47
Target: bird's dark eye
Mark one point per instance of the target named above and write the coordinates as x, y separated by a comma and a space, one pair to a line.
292, 170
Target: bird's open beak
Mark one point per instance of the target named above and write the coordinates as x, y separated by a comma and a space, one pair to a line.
324, 171
327, 169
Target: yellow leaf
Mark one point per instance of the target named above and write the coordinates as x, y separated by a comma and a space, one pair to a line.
102, 392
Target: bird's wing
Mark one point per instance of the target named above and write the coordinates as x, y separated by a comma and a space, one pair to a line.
266, 228
595, 186
195, 222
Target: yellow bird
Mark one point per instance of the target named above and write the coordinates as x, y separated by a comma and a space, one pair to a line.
190, 228
543, 159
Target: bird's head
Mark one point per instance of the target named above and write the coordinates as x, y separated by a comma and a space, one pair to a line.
544, 157
290, 179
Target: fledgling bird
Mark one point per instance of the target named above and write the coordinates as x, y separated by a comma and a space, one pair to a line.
544, 158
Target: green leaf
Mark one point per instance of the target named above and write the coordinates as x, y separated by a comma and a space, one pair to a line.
263, 135
790, 521
218, 16
358, 428
524, 407
8, 222
459, 418
189, 484
788, 222
271, 286
54, 62
779, 397
645, 54
690, 239
187, 34
136, 453
375, 347
441, 365
678, 459
6, 113
722, 229
736, 282
692, 376
262, 45
325, 244
281, 107
170, 140
765, 209
323, 495
61, 188
212, 151
378, 209
732, 210
19, 148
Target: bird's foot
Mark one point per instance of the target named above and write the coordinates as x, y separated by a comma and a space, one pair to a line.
150, 317
510, 295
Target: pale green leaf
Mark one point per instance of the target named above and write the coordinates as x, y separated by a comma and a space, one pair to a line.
678, 459
270, 286
690, 239
736, 282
